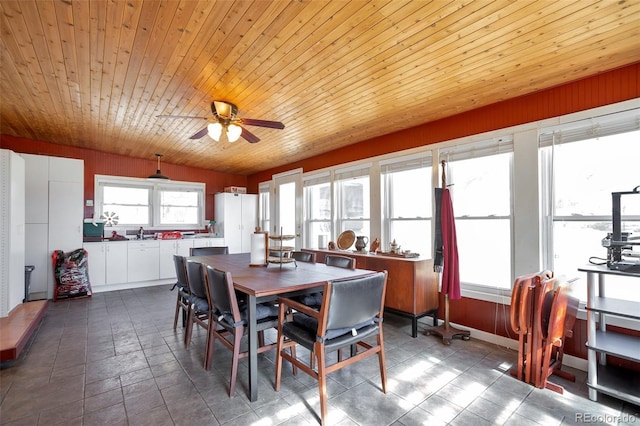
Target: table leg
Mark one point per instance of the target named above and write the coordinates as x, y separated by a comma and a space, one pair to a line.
253, 349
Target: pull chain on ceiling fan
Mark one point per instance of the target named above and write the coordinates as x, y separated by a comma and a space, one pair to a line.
227, 125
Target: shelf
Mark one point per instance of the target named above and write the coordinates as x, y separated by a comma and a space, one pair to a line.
618, 382
622, 308
273, 259
620, 345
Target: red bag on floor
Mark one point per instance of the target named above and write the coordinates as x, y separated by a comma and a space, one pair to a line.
71, 273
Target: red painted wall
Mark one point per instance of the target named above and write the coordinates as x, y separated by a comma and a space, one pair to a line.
100, 163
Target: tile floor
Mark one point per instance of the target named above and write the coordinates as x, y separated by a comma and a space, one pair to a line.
115, 359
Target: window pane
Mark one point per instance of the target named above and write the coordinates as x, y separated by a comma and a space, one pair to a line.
414, 235
484, 251
354, 198
319, 234
587, 172
481, 189
178, 208
178, 198
410, 193
481, 186
124, 195
128, 215
318, 201
360, 227
574, 243
131, 205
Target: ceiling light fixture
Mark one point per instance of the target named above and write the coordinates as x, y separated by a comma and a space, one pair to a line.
158, 174
231, 131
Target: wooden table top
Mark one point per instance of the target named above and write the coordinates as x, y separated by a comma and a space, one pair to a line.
272, 280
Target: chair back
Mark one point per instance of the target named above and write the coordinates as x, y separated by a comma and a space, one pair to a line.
195, 276
353, 301
340, 261
222, 294
180, 263
304, 256
205, 251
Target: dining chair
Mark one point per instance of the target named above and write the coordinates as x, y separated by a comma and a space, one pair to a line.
205, 251
199, 311
304, 256
559, 311
340, 261
229, 319
351, 311
184, 294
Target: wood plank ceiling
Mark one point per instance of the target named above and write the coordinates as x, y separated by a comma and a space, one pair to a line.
95, 74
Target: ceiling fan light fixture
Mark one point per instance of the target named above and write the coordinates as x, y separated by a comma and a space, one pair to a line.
233, 132
215, 131
158, 174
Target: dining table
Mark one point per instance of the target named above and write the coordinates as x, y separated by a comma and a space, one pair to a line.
265, 283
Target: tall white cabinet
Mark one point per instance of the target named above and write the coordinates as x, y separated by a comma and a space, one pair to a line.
54, 188
12, 236
237, 217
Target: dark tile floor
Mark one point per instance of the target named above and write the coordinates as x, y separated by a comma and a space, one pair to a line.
115, 359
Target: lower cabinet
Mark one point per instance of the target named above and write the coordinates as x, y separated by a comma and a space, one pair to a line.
412, 286
107, 263
143, 261
209, 242
122, 262
167, 249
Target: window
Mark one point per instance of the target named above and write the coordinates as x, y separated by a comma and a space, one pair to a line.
353, 200
407, 209
584, 163
143, 202
131, 205
479, 176
317, 210
179, 207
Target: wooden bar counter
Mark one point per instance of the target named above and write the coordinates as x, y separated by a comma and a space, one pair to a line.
412, 286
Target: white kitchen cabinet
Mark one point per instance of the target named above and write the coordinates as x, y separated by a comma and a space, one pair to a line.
167, 249
66, 208
208, 242
237, 217
96, 260
107, 263
36, 189
143, 261
12, 231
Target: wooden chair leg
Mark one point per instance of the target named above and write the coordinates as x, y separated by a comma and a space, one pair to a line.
175, 319
237, 336
322, 381
189, 330
382, 361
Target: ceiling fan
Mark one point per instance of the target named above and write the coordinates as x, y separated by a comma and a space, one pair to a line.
227, 124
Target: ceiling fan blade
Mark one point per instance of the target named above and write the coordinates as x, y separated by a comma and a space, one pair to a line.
199, 134
262, 123
248, 136
182, 116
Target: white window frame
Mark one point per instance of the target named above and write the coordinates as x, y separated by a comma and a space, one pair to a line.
154, 203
